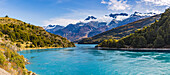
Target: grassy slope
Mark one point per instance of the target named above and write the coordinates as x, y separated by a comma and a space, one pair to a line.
119, 32
25, 35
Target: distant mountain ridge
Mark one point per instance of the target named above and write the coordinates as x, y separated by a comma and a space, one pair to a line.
119, 32
52, 28
92, 26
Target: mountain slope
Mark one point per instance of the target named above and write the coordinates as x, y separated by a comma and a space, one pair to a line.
157, 35
119, 32
25, 35
11, 63
92, 26
52, 28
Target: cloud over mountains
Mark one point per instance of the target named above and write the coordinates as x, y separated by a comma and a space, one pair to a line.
116, 5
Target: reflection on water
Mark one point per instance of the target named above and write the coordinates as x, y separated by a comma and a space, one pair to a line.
86, 60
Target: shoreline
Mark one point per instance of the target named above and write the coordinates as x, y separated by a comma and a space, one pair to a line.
136, 49
40, 48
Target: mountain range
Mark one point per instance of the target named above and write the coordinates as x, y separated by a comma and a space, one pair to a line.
121, 31
92, 25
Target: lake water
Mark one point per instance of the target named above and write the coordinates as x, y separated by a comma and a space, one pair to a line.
84, 60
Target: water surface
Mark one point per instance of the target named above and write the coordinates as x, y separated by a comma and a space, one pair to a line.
84, 60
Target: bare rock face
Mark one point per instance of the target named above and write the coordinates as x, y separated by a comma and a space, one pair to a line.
3, 72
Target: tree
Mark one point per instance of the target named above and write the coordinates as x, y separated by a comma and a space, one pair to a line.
159, 41
120, 44
18, 44
12, 36
139, 42
32, 46
17, 35
167, 38
1, 34
6, 16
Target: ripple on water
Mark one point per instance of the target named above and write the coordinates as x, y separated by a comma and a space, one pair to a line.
83, 60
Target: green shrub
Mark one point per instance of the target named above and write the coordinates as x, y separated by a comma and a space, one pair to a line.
1, 34
19, 61
2, 58
18, 44
32, 46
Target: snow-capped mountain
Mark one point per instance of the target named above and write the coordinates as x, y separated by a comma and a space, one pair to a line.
143, 14
94, 25
52, 28
49, 27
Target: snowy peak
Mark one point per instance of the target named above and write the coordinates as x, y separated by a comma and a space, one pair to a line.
143, 14
90, 18
52, 27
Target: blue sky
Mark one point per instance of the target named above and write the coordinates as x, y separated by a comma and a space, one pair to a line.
44, 12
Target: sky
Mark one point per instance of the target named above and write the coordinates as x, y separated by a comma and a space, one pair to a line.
64, 12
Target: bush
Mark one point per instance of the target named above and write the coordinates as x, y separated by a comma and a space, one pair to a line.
32, 46
2, 58
19, 61
18, 45
27, 46
1, 34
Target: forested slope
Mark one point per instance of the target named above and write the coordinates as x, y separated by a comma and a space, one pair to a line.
157, 35
119, 32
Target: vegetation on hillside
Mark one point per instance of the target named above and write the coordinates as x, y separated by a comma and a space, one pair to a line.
119, 32
25, 35
16, 35
157, 35
11, 61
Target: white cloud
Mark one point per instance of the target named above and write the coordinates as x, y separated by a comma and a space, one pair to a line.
60, 21
103, 2
106, 19
116, 4
73, 17
154, 11
158, 2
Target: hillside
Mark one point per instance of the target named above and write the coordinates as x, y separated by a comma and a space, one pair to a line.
121, 31
16, 35
25, 35
157, 35
11, 63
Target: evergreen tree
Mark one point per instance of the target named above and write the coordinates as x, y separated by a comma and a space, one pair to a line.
120, 44
6, 16
139, 42
159, 41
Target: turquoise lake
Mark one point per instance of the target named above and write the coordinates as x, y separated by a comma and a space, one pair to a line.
85, 60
